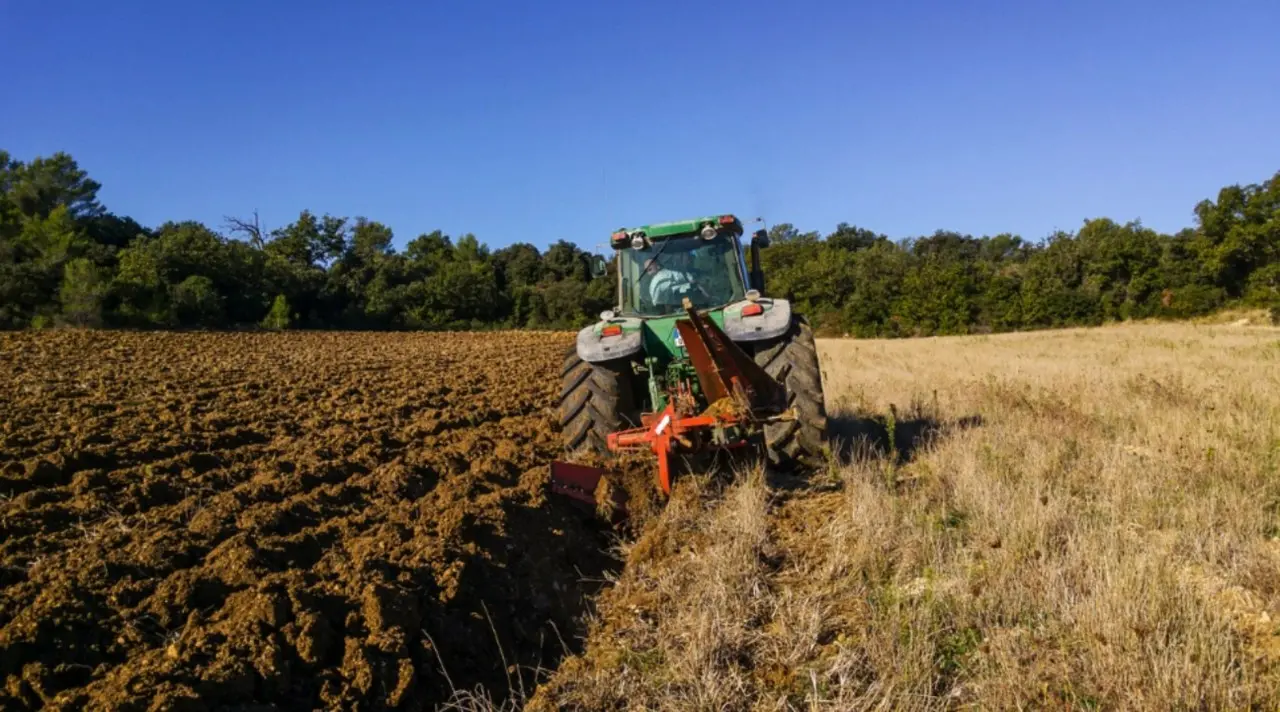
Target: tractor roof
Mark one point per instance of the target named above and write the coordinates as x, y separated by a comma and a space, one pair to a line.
681, 228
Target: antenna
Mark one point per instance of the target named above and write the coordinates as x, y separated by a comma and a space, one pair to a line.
604, 189
762, 222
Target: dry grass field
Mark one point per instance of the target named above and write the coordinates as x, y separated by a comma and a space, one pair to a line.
1074, 519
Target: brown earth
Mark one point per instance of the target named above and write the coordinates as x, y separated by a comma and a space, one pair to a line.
292, 521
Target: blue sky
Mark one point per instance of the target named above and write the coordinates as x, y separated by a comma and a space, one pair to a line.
540, 121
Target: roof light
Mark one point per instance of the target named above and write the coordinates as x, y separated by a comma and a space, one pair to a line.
637, 242
611, 330
752, 309
708, 232
727, 220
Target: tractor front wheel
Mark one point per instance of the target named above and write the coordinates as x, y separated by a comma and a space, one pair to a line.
792, 359
595, 399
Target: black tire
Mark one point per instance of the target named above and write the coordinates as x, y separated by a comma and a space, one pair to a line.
595, 399
792, 359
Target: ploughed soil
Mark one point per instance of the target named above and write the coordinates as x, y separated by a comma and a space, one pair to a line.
291, 521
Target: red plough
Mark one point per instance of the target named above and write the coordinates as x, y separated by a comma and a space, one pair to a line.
742, 398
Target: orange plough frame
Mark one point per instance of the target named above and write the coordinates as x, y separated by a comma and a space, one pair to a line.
742, 398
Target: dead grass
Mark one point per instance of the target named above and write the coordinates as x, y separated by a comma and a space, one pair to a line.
1073, 519
1243, 316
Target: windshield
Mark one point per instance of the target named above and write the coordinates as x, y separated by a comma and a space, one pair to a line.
705, 271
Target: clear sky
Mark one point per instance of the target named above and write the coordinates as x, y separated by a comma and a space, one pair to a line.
536, 121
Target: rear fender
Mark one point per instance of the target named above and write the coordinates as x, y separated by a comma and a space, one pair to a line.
594, 348
772, 323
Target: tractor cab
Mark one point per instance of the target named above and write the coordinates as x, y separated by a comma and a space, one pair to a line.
661, 265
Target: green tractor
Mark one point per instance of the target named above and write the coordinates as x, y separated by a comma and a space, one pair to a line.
625, 370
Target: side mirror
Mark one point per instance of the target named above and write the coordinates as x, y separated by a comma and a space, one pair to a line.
759, 239
599, 267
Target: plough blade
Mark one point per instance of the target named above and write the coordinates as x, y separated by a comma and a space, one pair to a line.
580, 482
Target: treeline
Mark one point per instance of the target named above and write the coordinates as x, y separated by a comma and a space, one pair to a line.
857, 282
66, 260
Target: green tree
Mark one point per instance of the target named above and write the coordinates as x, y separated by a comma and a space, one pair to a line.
1052, 288
427, 253
46, 184
460, 294
940, 290
196, 302
113, 231
518, 265
1264, 286
563, 301
851, 238
1240, 233
565, 260
332, 239
82, 292
279, 316
879, 273
31, 264
298, 243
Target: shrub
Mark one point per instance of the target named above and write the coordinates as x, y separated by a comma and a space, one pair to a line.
278, 317
1192, 300
81, 293
1264, 285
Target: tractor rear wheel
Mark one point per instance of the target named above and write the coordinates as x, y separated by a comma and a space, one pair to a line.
595, 399
792, 359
